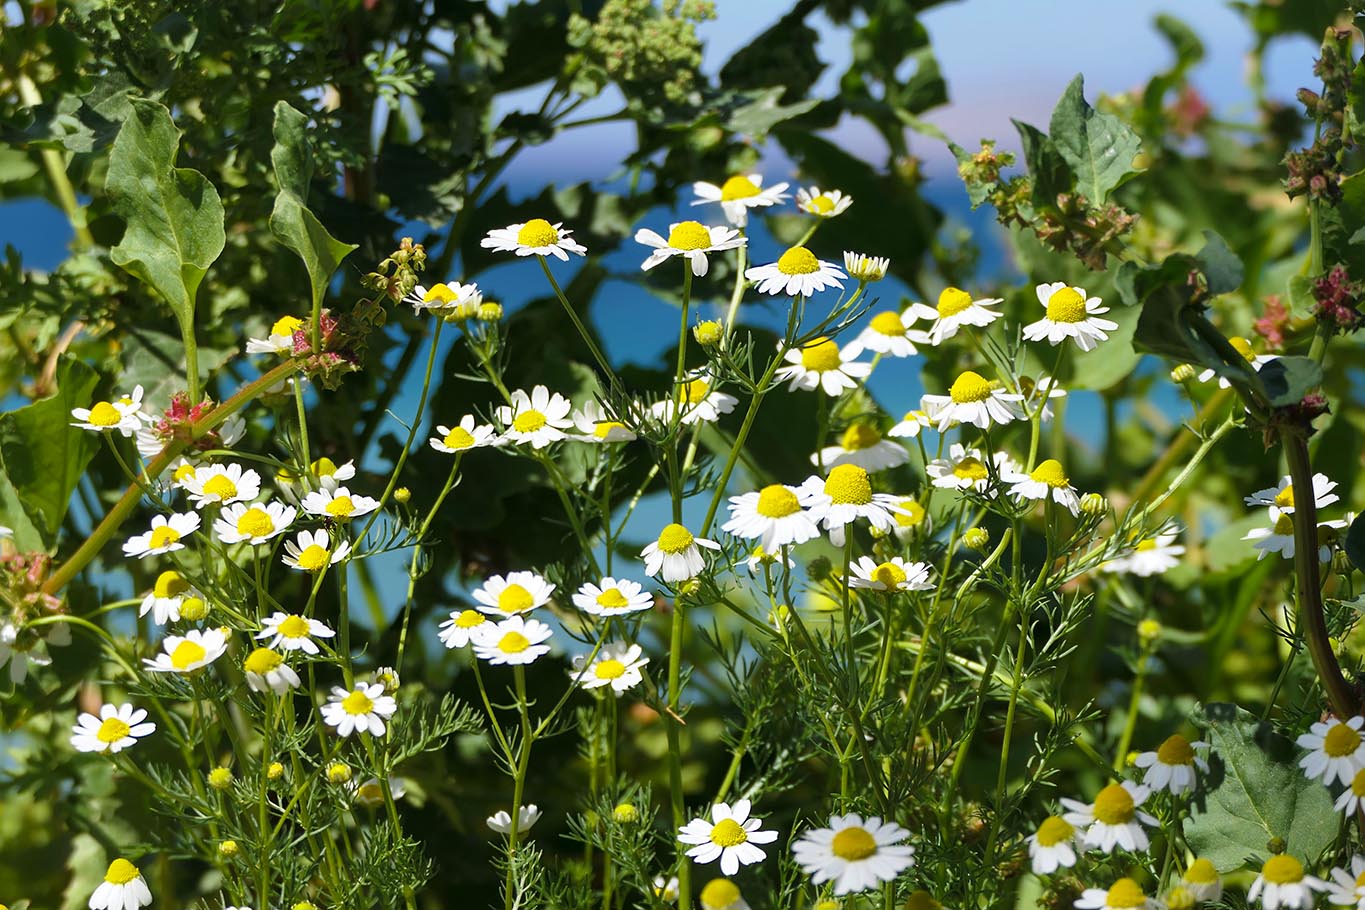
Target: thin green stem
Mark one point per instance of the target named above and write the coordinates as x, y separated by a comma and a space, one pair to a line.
578, 324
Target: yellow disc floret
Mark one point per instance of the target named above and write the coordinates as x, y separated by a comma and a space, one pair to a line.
340, 507
970, 468
314, 558
121, 872
953, 301
1125, 894
1285, 498
357, 703
537, 233
1054, 830
1050, 472
969, 387
853, 844
689, 235
675, 539
889, 575
468, 619
262, 661
728, 833
294, 626
1066, 305
798, 261
170, 584
104, 414
719, 893
1201, 872
220, 485
186, 654
164, 536
514, 599
611, 668
888, 323
777, 501
112, 730
821, 356
529, 421
738, 187
1282, 869
458, 438
286, 326
255, 523
859, 436
848, 484
513, 643
1176, 750
1114, 805
1340, 741
612, 599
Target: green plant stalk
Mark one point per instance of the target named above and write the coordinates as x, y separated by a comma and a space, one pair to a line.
735, 295
682, 330
417, 552
675, 783
1134, 700
740, 438
55, 167
1016, 682
578, 324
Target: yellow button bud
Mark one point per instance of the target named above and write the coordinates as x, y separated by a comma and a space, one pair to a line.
227, 848
976, 538
338, 772
402, 495
708, 333
275, 771
220, 778
1094, 504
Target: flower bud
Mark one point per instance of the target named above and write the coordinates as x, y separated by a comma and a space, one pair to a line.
220, 778
819, 568
338, 772
489, 311
193, 609
388, 678
275, 771
1182, 374
708, 333
228, 848
1149, 630
976, 538
304, 905
1094, 504
1276, 845
626, 813
402, 495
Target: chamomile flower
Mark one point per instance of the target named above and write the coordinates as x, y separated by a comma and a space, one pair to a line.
123, 888
759, 560
820, 364
253, 524
1282, 883
293, 632
189, 652
501, 822
1123, 894
912, 518
890, 334
458, 630
22, 650
967, 469
1053, 845
363, 709
370, 794
825, 204
1347, 887
165, 535
280, 340
114, 729
721, 894
536, 237
465, 435
539, 418
1038, 394
972, 399
1202, 881
1113, 819
676, 554
690, 239
517, 592
330, 475
862, 445
1242, 347
513, 641
445, 298
796, 273
616, 665
1047, 481
1336, 750
1279, 537
613, 597
844, 496
1281, 496
1070, 314
123, 414
772, 515
864, 268
1151, 556
313, 551
266, 671
222, 484
339, 504
595, 425
955, 309
169, 592
893, 575
854, 854
739, 194
696, 401
1353, 797
910, 425
731, 836
666, 889
1172, 765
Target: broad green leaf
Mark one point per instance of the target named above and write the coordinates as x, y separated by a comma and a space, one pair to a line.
1222, 268
1355, 543
295, 226
1045, 165
1288, 379
759, 116
1100, 148
1254, 791
174, 215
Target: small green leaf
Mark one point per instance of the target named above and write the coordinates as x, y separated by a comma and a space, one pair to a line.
759, 116
1355, 543
1288, 379
1222, 268
1100, 148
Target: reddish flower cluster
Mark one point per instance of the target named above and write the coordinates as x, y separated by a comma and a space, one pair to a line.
1338, 301
1274, 322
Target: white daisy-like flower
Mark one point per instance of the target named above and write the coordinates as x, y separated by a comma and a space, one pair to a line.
222, 484
759, 560
1279, 537
458, 630
189, 652
253, 524
820, 364
293, 632
1282, 883
955, 309
595, 425
1113, 819
1053, 845
1281, 496
1070, 314
501, 822
1242, 347
123, 888
1124, 894
266, 671
363, 709
796, 273
339, 504
180, 473
691, 240
666, 889
967, 469
1336, 750
370, 794
152, 437
910, 425
844, 496
539, 418
912, 519
445, 298
676, 554
1202, 880
739, 194
1353, 797
1038, 395
731, 836
972, 399
21, 651
862, 445
721, 894
515, 640
854, 854
280, 340
114, 729
696, 401
1047, 481
822, 205
865, 268
518, 592
169, 593
1347, 887
613, 597
313, 551
123, 414
772, 515
1151, 556
536, 237
890, 334
893, 575
467, 434
330, 475
1172, 765
616, 665
165, 535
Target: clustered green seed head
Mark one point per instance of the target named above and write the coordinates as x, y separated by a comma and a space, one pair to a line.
645, 49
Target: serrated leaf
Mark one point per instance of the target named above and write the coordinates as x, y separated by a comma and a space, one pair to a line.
1045, 165
1098, 147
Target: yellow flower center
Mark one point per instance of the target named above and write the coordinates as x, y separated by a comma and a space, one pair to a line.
913, 516
537, 233
314, 558
953, 301
1284, 525
689, 235
718, 893
853, 844
440, 293
969, 387
604, 428
1050, 472
1243, 347
112, 730
370, 793
776, 501
468, 619
889, 575
170, 584
674, 539
970, 468
922, 900
738, 187
357, 703
612, 599
164, 536
1125, 894
513, 643
848, 484
798, 261
822, 204
294, 627
1145, 545
888, 323
611, 668
323, 467
1054, 830
183, 473
1340, 741
1282, 869
255, 523
221, 486
193, 609
121, 872
821, 356
104, 414
694, 392
1065, 305
859, 436
1176, 750
1201, 872
514, 599
458, 438
1358, 784
728, 833
286, 326
1285, 498
529, 421
1114, 805
340, 507
262, 660
187, 653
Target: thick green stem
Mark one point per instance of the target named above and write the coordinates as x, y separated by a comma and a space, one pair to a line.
674, 729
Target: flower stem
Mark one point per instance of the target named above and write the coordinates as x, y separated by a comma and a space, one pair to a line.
578, 324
